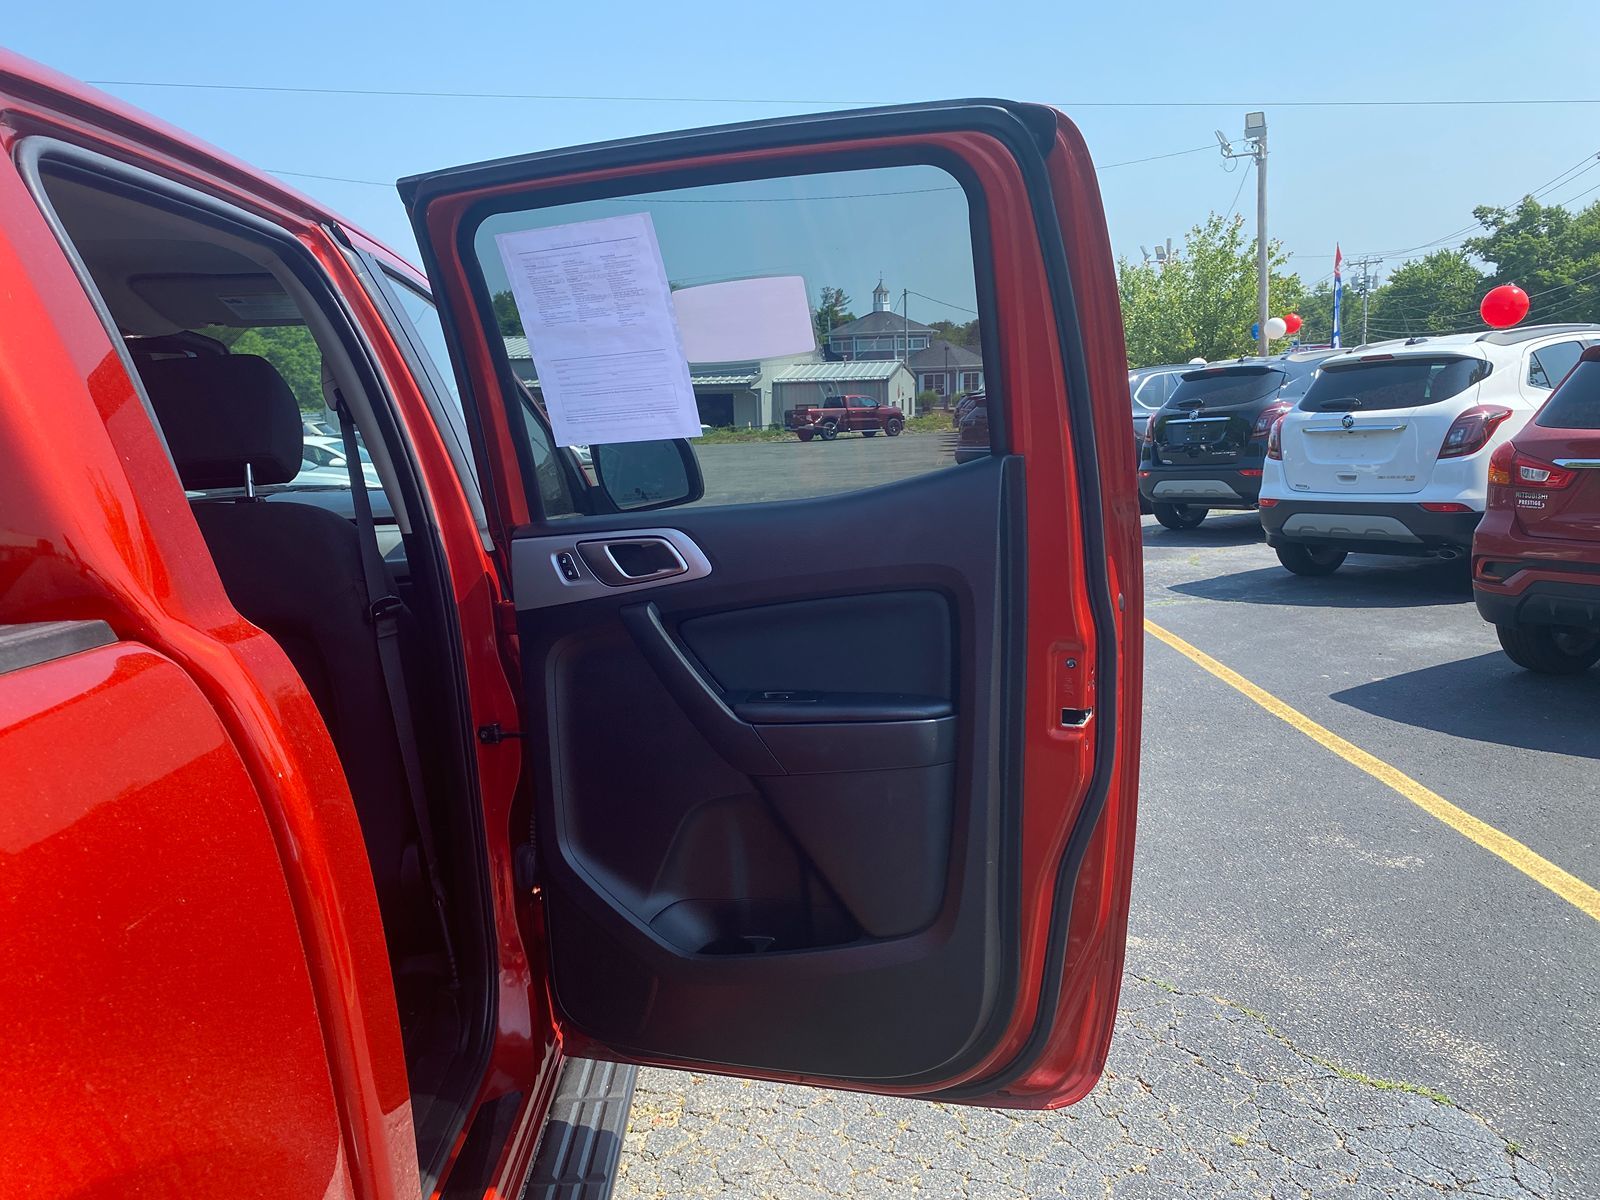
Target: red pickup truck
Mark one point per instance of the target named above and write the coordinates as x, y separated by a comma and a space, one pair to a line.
844, 414
352, 838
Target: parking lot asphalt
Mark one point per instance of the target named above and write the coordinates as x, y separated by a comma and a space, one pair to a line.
1329, 992
786, 469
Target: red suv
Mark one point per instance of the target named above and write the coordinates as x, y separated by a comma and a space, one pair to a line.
1536, 554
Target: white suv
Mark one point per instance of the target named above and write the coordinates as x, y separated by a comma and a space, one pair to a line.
1388, 451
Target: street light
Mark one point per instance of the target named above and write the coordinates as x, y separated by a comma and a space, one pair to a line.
1255, 132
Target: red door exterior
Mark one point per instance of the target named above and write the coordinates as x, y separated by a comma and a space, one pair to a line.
1061, 354
95, 526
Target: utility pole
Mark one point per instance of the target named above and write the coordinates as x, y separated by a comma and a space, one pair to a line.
905, 309
1364, 282
1255, 133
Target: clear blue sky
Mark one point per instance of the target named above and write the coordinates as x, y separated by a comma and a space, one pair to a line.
1376, 179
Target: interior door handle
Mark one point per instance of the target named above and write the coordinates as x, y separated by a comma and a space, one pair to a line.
620, 561
735, 740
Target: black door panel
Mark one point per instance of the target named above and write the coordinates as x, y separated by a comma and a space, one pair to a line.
886, 642
782, 790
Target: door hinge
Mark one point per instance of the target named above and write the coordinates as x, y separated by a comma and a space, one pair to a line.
505, 617
492, 734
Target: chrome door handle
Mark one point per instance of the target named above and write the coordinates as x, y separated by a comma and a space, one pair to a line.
621, 561
552, 569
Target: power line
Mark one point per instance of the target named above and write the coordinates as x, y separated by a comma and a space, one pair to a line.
1569, 175
1153, 157
1583, 164
946, 303
553, 96
1580, 195
1569, 305
1238, 191
1565, 304
669, 199
330, 178
1127, 162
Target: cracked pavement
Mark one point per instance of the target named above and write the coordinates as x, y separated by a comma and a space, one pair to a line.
1200, 1098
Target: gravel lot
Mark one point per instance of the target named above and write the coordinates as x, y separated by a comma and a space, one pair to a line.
1329, 992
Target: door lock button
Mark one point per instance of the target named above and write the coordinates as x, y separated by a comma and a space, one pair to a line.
568, 567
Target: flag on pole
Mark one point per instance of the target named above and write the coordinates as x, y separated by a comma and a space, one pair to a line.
1338, 292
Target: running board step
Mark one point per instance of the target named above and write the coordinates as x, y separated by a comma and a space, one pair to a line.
581, 1143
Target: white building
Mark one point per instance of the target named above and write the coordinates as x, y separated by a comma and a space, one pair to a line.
756, 394
806, 384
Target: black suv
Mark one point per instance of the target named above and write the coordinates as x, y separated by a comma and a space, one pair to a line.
1204, 449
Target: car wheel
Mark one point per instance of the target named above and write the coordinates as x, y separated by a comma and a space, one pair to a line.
1310, 560
1144, 507
1180, 516
893, 428
829, 430
1550, 649
803, 434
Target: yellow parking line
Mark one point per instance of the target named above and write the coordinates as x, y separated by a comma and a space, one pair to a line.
1541, 870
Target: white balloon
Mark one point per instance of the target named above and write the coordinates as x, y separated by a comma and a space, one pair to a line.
1197, 362
1276, 327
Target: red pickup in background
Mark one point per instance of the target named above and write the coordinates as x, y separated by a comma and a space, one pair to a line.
844, 414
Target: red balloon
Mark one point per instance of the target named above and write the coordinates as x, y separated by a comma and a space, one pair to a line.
1504, 306
1292, 322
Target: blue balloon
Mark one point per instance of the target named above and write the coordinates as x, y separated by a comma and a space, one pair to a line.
1255, 332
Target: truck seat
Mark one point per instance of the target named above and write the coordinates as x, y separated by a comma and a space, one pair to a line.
294, 570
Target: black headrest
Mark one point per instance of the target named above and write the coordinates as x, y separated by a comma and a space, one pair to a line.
220, 412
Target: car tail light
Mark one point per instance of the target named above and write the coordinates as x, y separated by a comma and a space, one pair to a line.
1509, 467
1500, 464
1275, 440
1269, 416
1267, 502
1470, 432
1250, 473
1445, 506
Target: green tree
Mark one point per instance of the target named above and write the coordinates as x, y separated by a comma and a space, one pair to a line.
1316, 313
289, 348
1549, 251
1202, 302
832, 311
965, 334
1438, 293
506, 315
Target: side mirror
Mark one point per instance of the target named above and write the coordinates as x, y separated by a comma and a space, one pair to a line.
636, 476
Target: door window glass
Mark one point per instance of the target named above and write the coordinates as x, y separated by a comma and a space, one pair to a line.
1549, 366
882, 265
424, 318
1405, 381
1152, 391
1576, 405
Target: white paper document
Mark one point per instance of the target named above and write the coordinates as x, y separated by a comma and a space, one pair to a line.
597, 309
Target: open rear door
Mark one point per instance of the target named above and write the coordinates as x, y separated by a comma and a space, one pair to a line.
831, 740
